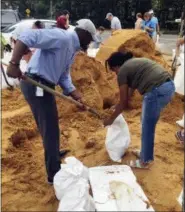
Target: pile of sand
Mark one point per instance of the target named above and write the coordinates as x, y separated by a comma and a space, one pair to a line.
135, 41
24, 186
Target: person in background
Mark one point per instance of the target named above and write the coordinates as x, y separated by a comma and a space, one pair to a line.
62, 22
106, 24
50, 65
115, 22
149, 25
139, 22
157, 27
66, 13
38, 25
155, 84
99, 33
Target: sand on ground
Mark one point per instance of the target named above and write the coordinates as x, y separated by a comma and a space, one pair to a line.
24, 185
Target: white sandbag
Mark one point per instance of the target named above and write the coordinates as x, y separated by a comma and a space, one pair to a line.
77, 198
179, 77
92, 52
180, 199
181, 122
69, 174
13, 82
117, 139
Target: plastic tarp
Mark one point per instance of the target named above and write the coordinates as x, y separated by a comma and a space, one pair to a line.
115, 188
179, 78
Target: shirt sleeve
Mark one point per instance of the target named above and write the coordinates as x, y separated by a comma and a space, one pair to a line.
41, 38
66, 84
152, 25
113, 24
122, 77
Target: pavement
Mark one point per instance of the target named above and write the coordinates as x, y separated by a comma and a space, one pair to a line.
168, 43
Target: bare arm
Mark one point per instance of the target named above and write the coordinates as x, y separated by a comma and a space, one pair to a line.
158, 28
123, 104
149, 29
19, 50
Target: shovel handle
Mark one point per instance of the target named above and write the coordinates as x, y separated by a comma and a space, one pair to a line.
56, 93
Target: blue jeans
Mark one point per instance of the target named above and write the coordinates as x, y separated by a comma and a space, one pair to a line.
153, 104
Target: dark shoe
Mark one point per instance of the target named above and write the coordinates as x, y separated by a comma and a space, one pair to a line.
64, 152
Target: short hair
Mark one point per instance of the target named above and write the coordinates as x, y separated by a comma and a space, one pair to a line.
139, 15
65, 12
39, 24
118, 59
147, 14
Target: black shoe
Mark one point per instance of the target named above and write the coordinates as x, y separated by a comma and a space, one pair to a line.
50, 181
64, 152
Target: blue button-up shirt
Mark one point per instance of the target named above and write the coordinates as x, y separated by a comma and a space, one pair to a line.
55, 53
151, 24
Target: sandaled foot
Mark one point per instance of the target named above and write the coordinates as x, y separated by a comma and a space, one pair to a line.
180, 137
137, 153
138, 164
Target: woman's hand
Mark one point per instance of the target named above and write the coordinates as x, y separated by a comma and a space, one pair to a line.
108, 122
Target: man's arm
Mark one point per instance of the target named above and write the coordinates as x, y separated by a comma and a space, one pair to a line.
66, 84
149, 29
69, 89
158, 28
42, 38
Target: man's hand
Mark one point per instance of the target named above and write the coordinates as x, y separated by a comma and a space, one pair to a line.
13, 71
76, 95
108, 122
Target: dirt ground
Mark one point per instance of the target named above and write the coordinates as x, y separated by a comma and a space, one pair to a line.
24, 186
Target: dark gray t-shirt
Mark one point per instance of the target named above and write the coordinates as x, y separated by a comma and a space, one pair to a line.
142, 74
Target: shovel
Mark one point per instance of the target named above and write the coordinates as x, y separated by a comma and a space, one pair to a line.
56, 93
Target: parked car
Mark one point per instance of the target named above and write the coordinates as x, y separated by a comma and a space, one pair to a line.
9, 31
9, 17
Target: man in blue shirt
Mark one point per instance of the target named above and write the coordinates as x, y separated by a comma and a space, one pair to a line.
149, 25
156, 22
50, 65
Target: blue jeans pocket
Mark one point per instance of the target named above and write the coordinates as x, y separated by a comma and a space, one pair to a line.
166, 88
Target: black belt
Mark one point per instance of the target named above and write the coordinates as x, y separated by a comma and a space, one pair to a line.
40, 80
168, 80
